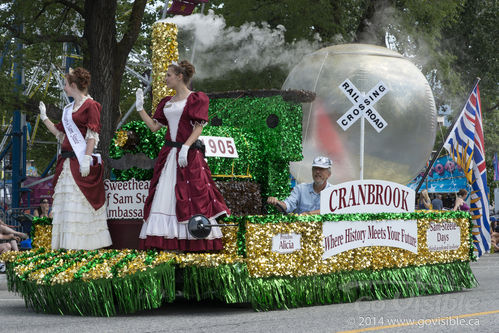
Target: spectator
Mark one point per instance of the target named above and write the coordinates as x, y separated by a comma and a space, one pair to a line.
44, 210
448, 201
424, 200
9, 238
494, 237
460, 203
437, 202
4, 245
8, 242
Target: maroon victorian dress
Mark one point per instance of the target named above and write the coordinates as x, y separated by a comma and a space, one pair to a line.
175, 193
79, 208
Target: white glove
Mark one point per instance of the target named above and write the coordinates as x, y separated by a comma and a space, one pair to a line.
139, 100
182, 156
85, 166
43, 111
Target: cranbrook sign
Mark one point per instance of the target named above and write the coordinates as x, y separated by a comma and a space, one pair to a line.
367, 196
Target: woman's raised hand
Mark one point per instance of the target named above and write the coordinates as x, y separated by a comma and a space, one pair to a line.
43, 111
139, 100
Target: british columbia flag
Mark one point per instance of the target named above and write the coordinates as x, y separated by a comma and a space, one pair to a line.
465, 145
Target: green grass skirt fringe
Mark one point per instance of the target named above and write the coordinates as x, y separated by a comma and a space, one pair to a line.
154, 287
143, 290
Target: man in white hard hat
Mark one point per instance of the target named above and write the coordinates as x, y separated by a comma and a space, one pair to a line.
305, 198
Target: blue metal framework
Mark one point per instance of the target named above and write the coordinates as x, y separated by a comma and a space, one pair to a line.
17, 145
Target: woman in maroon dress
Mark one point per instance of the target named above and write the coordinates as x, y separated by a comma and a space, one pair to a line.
79, 208
181, 185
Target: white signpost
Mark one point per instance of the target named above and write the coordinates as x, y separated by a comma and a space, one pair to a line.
363, 107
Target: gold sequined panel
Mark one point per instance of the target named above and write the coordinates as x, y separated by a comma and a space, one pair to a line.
263, 262
229, 240
42, 236
164, 52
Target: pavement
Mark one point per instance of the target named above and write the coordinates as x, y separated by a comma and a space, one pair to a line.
3, 281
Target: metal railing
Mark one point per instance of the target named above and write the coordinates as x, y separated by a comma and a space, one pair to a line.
18, 218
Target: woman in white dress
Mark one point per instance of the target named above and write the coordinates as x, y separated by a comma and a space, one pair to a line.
79, 205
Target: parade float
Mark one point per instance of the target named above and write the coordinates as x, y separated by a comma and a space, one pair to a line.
368, 243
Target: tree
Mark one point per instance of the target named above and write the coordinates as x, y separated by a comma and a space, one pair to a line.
413, 26
472, 39
331, 22
104, 39
451, 41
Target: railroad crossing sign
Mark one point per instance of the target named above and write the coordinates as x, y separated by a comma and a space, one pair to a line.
363, 105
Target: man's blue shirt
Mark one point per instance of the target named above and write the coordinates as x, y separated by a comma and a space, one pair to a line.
437, 204
303, 198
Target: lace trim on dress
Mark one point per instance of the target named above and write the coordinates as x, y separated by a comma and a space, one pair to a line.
76, 224
199, 123
77, 106
92, 135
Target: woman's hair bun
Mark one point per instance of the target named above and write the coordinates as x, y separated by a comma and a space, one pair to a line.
187, 68
80, 76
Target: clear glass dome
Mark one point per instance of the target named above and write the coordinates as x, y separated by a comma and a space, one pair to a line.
396, 153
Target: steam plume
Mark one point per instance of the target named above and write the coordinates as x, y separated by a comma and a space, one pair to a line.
220, 49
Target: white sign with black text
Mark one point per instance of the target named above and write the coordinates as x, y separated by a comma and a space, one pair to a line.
443, 236
363, 105
218, 146
125, 199
367, 196
286, 243
347, 235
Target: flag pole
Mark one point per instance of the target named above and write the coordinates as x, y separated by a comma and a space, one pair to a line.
449, 132
195, 38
